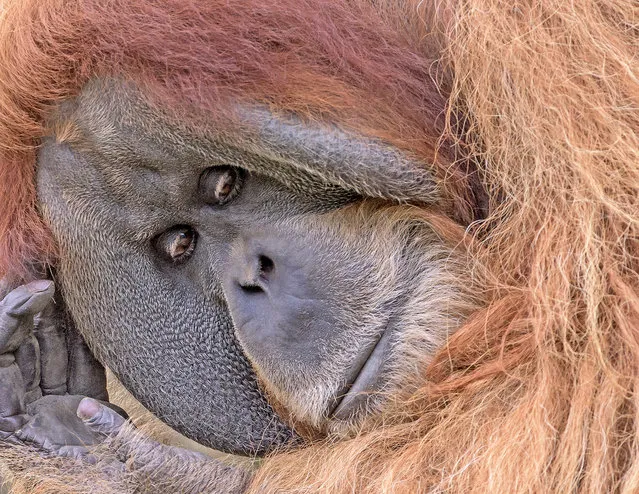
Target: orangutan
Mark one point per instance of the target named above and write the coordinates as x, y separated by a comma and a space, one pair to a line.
392, 247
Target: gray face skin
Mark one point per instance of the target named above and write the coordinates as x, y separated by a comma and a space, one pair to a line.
191, 265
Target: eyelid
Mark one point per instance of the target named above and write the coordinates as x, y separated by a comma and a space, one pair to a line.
163, 243
210, 181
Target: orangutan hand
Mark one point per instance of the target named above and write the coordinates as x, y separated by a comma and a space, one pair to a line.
45, 371
126, 453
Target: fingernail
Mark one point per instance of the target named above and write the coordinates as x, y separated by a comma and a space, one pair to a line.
39, 286
88, 409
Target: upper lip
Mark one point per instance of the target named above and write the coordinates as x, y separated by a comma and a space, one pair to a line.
364, 377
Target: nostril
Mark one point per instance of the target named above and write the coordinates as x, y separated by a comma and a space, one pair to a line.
251, 289
266, 265
255, 277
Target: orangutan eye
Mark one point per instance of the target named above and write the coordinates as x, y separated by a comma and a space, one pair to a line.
176, 244
220, 184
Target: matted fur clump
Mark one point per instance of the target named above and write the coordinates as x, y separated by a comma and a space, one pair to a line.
539, 391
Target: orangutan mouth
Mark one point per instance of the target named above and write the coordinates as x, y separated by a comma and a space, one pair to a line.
351, 400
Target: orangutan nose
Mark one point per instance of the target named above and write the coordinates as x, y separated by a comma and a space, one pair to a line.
273, 297
257, 274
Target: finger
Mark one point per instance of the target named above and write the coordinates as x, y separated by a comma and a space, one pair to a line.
54, 424
100, 418
73, 452
49, 331
17, 310
11, 389
9, 426
28, 299
122, 438
28, 359
6, 285
86, 376
108, 463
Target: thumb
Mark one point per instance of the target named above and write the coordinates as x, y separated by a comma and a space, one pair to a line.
100, 418
28, 299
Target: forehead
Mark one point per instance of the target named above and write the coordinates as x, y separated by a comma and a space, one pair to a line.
112, 117
136, 144
130, 162
115, 120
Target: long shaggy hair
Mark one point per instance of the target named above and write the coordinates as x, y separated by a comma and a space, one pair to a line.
538, 391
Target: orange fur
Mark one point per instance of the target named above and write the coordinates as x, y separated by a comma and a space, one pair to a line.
538, 391
340, 61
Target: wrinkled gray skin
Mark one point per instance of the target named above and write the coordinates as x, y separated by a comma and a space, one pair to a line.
282, 281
